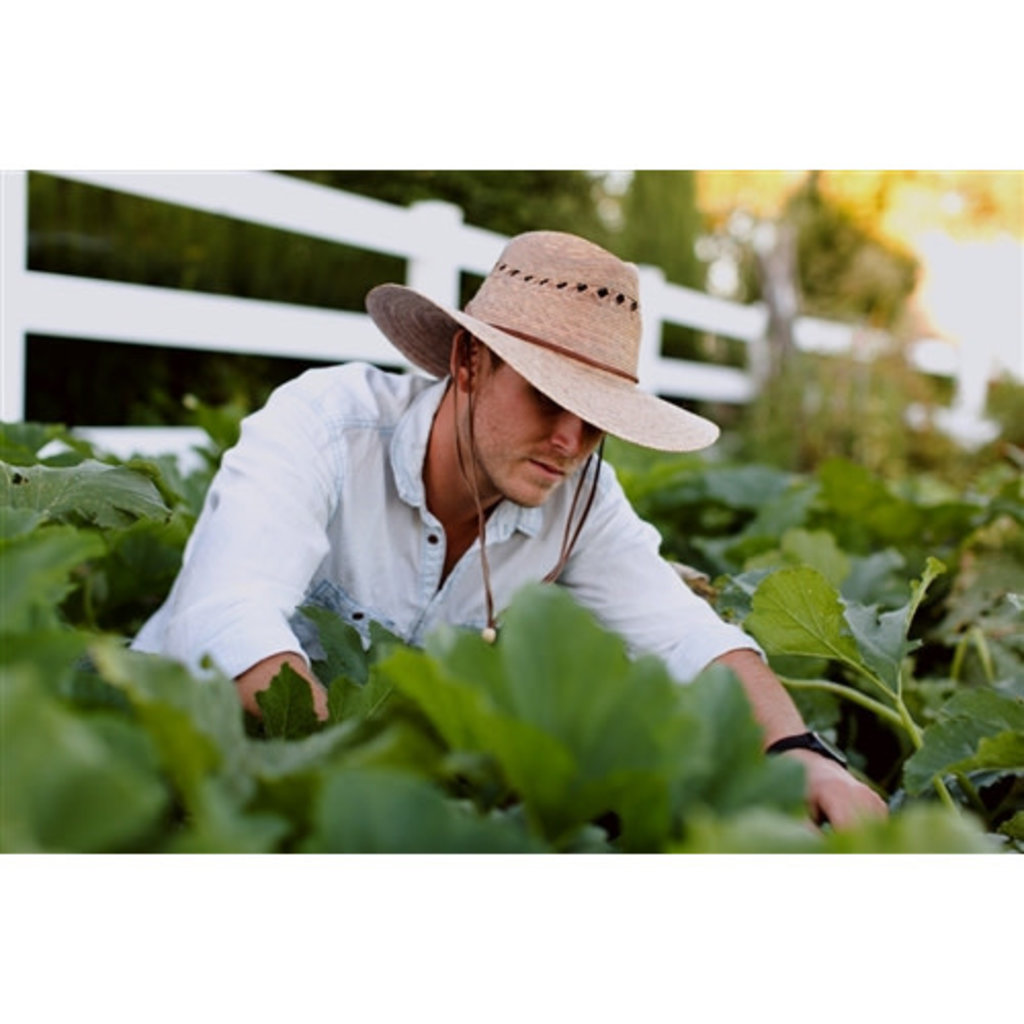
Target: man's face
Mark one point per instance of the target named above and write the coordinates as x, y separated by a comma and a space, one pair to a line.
526, 445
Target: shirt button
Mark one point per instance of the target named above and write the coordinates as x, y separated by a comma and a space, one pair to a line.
432, 538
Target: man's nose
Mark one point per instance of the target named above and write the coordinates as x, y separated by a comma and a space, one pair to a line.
569, 434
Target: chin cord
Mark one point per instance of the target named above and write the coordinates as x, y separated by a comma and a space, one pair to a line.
570, 534
569, 542
490, 631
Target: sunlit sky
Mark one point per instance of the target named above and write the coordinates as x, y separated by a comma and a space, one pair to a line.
965, 227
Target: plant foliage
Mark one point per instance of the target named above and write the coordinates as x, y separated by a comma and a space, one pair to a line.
890, 614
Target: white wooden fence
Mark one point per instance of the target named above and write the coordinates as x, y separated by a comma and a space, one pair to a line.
430, 236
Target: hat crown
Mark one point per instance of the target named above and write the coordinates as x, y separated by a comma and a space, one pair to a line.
568, 292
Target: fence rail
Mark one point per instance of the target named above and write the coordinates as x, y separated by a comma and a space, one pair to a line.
430, 236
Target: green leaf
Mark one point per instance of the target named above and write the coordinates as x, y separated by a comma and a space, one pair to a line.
756, 830
1004, 751
537, 766
20, 443
342, 644
864, 509
882, 640
196, 723
275, 759
819, 550
747, 486
580, 731
989, 708
54, 653
917, 830
724, 766
16, 522
90, 492
346, 699
876, 579
981, 608
1014, 827
219, 823
785, 510
187, 754
979, 729
71, 782
364, 811
736, 593
35, 574
140, 567
797, 611
383, 642
816, 549
287, 706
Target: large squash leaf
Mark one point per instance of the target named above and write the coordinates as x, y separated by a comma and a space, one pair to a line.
69, 782
582, 732
382, 811
797, 611
36, 574
90, 492
979, 729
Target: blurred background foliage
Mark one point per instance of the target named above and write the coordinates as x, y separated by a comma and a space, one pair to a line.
849, 265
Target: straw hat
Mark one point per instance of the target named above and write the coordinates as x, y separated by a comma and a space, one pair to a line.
564, 314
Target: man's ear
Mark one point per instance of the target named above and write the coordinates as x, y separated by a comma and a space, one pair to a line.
465, 358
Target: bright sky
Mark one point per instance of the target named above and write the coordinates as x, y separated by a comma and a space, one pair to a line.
965, 227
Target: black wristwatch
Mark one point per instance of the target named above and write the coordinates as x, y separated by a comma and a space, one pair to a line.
808, 741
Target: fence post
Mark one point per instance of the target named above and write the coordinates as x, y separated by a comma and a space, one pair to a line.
13, 258
652, 286
970, 396
436, 260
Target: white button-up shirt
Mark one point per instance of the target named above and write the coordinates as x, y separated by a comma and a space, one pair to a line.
322, 502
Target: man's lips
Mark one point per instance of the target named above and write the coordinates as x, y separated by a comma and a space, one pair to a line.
548, 468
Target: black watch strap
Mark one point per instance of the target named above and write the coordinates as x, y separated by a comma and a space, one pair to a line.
807, 741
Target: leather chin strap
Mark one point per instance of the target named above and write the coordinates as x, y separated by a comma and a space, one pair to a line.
569, 536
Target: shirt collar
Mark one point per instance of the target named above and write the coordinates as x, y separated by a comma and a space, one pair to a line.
409, 443
409, 450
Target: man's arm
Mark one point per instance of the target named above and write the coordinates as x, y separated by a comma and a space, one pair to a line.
261, 675
832, 791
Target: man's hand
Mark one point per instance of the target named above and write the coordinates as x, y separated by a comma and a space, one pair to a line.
833, 794
259, 677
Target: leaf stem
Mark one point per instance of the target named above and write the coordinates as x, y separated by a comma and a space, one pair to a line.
871, 678
972, 794
978, 636
912, 728
944, 794
849, 693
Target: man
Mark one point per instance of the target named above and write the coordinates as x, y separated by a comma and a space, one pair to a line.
412, 502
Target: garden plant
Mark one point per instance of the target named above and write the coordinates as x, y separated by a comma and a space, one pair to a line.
893, 614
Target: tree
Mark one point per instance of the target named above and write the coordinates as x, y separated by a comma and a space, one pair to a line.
661, 224
846, 270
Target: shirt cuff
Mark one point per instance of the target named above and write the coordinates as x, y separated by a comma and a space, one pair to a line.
235, 643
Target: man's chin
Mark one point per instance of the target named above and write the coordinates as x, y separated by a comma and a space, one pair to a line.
531, 497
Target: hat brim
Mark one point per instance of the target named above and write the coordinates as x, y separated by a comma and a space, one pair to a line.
422, 330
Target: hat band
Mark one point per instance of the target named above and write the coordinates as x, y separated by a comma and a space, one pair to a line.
570, 353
